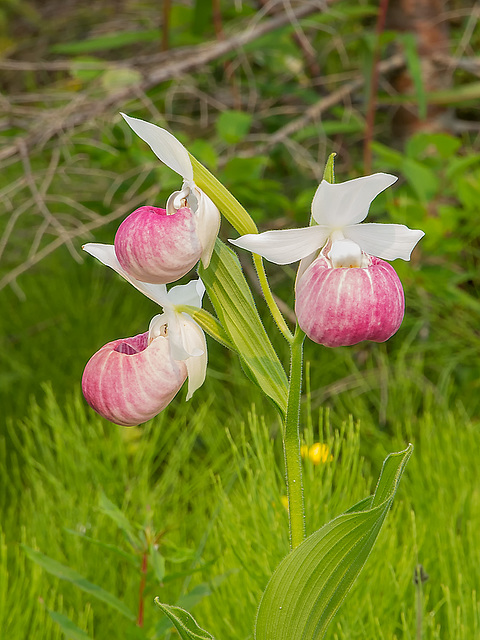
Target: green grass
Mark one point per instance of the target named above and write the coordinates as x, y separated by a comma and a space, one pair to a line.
215, 486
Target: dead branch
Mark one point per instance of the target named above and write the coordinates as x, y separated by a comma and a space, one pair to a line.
81, 231
315, 110
83, 108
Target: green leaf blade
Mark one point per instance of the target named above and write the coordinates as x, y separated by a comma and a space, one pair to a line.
230, 208
69, 629
69, 575
236, 310
184, 622
415, 67
310, 584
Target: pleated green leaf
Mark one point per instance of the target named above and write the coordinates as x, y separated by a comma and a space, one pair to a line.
310, 584
184, 622
65, 573
233, 211
235, 307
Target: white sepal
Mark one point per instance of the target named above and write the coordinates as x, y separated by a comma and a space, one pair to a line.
164, 145
188, 294
286, 245
106, 254
386, 241
208, 225
346, 203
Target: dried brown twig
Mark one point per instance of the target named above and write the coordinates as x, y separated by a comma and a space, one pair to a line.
84, 108
50, 121
315, 110
81, 232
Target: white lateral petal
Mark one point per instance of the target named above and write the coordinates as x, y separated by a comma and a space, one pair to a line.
196, 365
387, 241
106, 254
286, 245
182, 346
208, 225
191, 293
344, 203
164, 145
175, 336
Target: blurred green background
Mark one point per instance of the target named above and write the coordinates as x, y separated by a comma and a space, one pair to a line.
261, 93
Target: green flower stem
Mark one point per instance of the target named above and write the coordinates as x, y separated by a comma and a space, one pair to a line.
291, 443
269, 299
243, 223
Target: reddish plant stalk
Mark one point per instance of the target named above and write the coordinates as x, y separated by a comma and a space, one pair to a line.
143, 581
165, 25
372, 97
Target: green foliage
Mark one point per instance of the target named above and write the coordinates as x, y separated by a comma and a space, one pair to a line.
234, 304
183, 622
223, 473
233, 126
309, 585
65, 573
414, 64
107, 42
70, 630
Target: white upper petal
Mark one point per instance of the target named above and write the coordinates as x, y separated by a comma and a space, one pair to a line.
284, 246
387, 241
344, 203
208, 225
191, 293
106, 254
164, 145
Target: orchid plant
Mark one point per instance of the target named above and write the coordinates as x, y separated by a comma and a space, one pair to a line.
345, 293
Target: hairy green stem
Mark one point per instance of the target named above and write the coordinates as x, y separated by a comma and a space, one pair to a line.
291, 443
269, 299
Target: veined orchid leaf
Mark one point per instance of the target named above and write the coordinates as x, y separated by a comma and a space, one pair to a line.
235, 308
228, 205
309, 585
184, 622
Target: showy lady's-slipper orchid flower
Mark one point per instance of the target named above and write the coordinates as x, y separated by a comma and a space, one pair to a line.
345, 292
161, 245
128, 381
